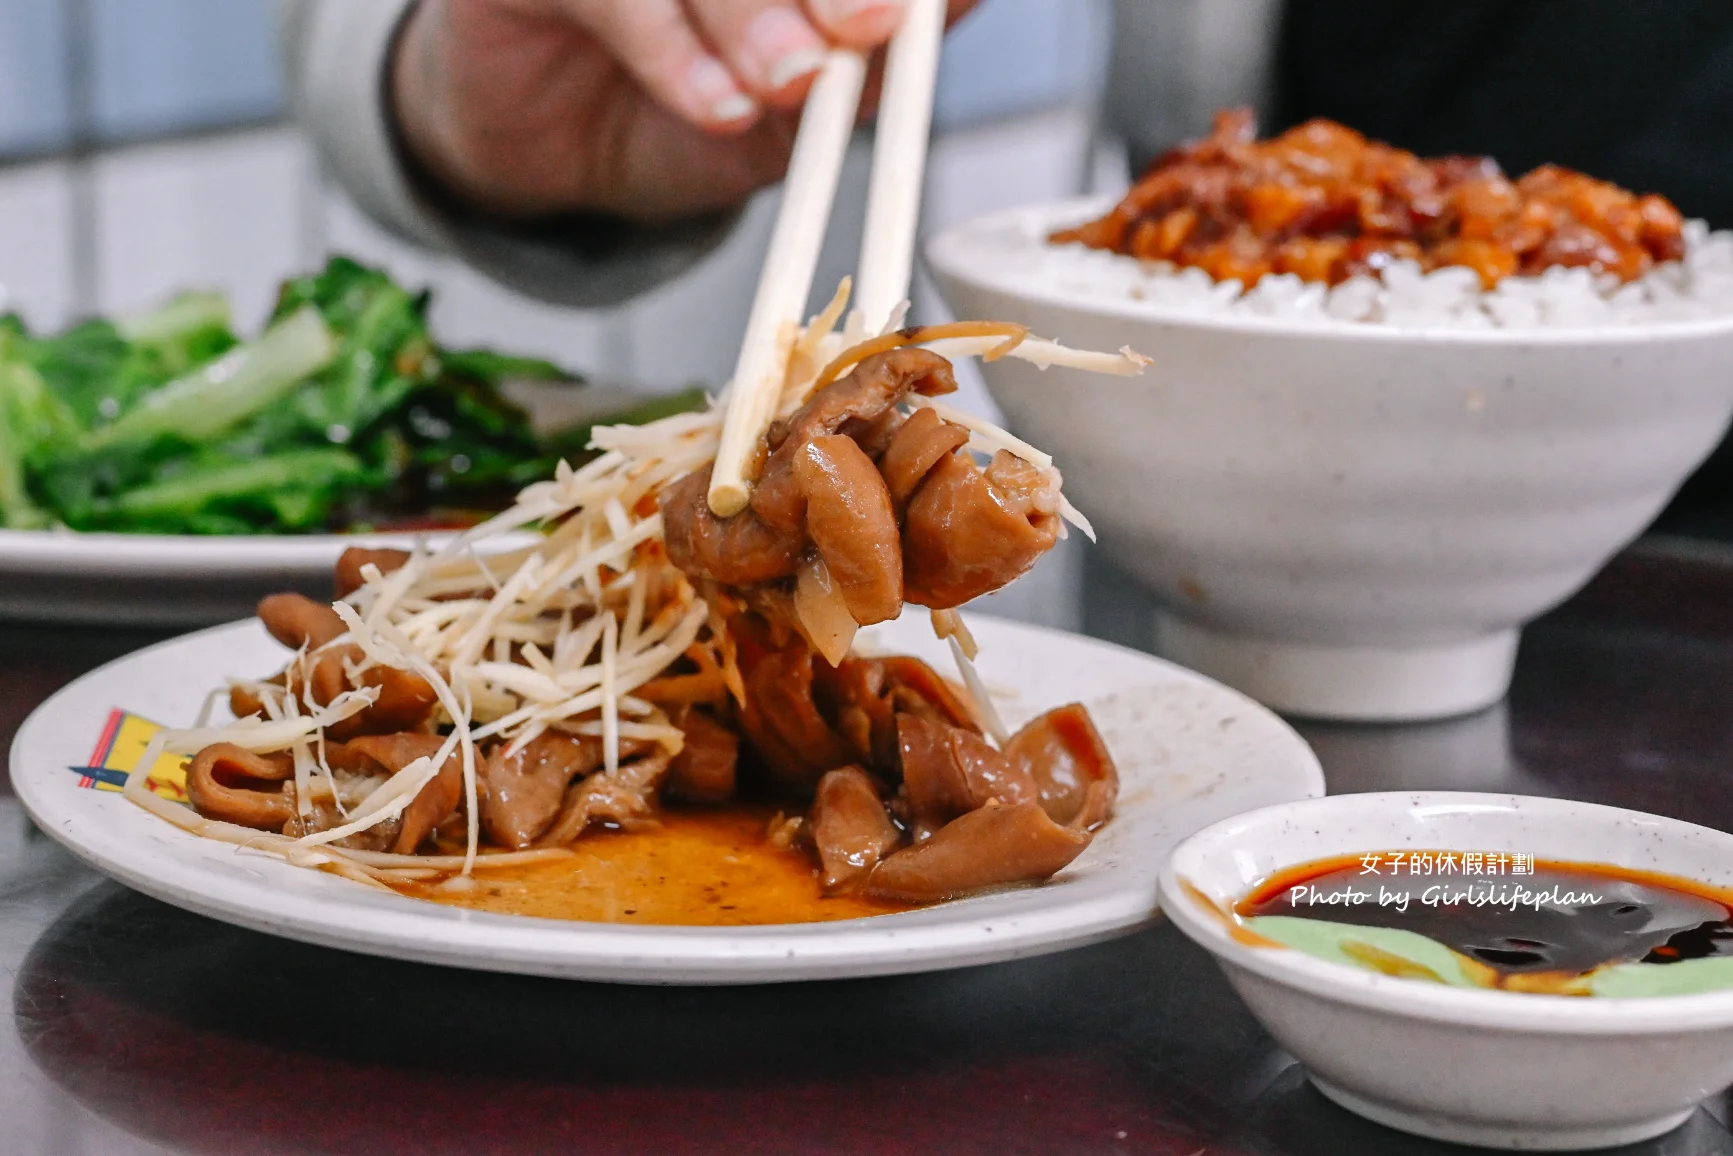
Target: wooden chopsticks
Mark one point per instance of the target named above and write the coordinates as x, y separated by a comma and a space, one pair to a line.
786, 281
887, 247
887, 244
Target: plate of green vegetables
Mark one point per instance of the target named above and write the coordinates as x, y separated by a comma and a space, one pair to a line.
164, 469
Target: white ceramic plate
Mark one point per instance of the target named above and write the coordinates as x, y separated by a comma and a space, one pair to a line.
1190, 752
161, 579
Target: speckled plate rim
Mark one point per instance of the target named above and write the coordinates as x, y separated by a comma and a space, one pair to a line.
1403, 812
963, 253
1191, 752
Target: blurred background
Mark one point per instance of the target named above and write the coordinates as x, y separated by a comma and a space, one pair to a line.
145, 147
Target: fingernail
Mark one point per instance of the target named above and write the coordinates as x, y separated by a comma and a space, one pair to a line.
866, 19
736, 107
794, 66
786, 46
714, 91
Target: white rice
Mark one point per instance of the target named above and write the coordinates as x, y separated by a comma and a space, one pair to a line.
1698, 287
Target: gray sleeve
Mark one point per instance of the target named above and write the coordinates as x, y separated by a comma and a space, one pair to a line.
1176, 61
335, 54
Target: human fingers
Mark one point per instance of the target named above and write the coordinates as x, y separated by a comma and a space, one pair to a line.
870, 23
654, 42
770, 44
857, 23
672, 171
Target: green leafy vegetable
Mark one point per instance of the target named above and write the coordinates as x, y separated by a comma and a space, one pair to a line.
222, 393
486, 364
294, 488
182, 321
343, 414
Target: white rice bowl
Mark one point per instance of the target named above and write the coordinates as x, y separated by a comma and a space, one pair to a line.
1699, 286
1348, 501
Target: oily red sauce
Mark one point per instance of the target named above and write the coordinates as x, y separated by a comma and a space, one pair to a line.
698, 869
1600, 914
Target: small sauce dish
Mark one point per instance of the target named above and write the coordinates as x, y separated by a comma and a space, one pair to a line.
1403, 1038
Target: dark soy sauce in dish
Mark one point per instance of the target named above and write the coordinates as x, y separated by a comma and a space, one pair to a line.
1537, 932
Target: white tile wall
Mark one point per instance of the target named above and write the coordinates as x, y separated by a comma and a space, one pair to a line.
1012, 57
1002, 164
222, 213
36, 243
981, 170
164, 66
33, 76
468, 309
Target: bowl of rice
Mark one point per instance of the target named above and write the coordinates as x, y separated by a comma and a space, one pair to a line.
1348, 494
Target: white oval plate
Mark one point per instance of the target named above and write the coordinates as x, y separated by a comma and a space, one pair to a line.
1190, 752
163, 579
171, 579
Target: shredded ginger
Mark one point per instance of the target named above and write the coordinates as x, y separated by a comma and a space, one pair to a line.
516, 640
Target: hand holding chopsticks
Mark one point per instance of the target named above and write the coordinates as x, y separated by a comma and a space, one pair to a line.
887, 250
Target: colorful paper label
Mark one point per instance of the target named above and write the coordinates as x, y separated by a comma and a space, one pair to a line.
118, 751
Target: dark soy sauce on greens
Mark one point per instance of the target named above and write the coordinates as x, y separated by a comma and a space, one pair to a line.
1586, 915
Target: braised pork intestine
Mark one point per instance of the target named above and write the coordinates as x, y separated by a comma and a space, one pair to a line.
948, 532
461, 709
